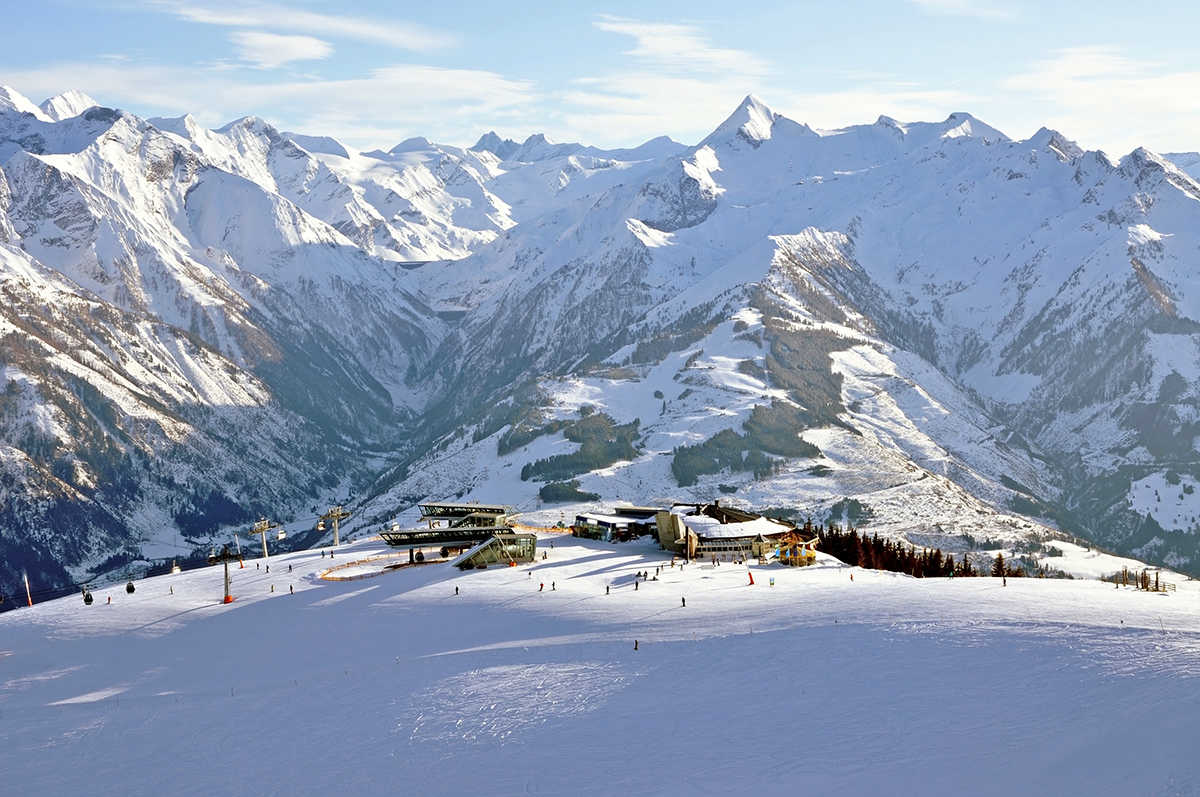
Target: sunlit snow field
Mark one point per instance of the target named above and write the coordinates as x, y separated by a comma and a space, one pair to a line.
395, 684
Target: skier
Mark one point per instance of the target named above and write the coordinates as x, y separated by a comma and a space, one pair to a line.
290, 590
552, 587
541, 586
606, 589
456, 590
683, 602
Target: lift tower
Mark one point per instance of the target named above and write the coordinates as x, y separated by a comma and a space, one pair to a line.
225, 556
261, 528
335, 514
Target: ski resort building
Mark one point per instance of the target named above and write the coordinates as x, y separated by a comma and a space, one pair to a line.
504, 548
702, 530
451, 525
625, 523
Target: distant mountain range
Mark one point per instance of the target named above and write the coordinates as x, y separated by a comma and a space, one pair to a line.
926, 329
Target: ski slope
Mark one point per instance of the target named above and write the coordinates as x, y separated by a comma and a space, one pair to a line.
834, 679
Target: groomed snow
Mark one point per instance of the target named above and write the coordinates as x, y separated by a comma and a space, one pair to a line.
832, 679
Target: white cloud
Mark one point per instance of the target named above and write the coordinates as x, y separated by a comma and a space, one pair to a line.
404, 36
682, 48
1098, 94
678, 84
984, 9
270, 50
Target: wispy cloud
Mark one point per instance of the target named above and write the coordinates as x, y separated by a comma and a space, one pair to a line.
270, 50
674, 80
681, 48
1099, 94
404, 36
984, 9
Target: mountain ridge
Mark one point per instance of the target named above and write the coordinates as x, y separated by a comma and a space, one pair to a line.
397, 313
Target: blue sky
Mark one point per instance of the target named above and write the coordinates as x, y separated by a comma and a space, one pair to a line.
1111, 75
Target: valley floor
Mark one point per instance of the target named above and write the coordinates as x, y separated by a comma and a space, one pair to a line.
396, 684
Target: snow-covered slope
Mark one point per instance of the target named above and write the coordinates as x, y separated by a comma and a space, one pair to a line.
564, 678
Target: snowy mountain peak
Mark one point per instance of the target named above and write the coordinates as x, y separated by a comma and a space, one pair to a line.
1055, 141
184, 126
959, 124
1146, 166
502, 148
538, 147
319, 145
253, 125
751, 123
414, 144
13, 100
67, 105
